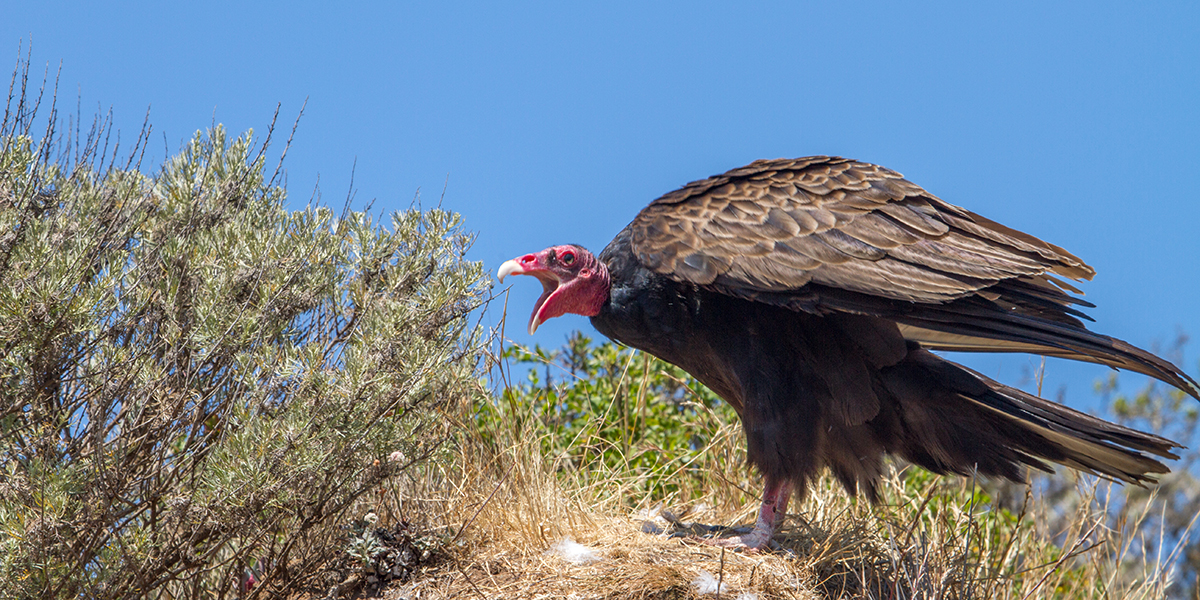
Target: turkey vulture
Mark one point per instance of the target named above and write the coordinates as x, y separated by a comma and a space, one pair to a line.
809, 293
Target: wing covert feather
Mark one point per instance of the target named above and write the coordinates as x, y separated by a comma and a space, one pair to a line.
777, 225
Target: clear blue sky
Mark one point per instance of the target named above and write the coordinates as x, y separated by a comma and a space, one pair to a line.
556, 122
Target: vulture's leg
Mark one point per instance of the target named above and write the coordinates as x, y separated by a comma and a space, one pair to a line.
776, 495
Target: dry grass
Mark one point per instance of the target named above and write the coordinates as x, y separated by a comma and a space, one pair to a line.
509, 508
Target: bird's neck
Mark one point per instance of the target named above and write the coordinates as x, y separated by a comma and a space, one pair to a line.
599, 285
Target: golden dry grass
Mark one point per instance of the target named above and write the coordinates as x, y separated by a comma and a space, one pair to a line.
512, 507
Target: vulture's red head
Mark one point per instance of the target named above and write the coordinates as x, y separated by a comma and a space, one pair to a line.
573, 281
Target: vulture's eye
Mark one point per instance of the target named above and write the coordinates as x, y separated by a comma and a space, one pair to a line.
567, 258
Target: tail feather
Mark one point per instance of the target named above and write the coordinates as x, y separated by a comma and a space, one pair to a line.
952, 419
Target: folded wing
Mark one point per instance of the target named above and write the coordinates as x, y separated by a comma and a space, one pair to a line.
826, 235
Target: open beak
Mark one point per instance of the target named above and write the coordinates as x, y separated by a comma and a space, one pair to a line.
549, 281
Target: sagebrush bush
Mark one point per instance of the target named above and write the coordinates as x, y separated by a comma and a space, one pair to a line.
196, 381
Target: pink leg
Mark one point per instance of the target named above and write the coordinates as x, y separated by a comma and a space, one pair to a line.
776, 495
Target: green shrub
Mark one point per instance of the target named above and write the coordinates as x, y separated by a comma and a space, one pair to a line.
195, 380
606, 413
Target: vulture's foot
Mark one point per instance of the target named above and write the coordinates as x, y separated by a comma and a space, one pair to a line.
770, 516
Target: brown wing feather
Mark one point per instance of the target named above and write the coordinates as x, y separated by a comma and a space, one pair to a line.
827, 235
775, 225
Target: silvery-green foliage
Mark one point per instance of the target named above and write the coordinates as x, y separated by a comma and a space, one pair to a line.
194, 378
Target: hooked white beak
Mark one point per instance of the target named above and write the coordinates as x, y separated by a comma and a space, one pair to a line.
510, 267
